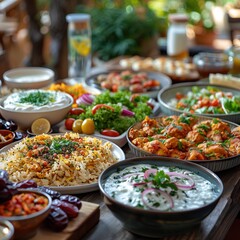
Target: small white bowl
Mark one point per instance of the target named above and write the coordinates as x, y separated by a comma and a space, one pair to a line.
28, 77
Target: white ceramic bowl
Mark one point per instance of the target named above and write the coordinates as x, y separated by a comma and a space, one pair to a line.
28, 77
25, 118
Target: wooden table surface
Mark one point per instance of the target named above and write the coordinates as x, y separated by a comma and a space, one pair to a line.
215, 226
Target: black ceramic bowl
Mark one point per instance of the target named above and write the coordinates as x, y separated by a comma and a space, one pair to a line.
154, 223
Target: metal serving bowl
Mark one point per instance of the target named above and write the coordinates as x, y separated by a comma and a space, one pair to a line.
154, 223
213, 165
167, 94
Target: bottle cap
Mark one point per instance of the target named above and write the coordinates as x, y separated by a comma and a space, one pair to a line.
77, 17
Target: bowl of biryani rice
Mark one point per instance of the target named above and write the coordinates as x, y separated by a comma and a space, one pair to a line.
69, 163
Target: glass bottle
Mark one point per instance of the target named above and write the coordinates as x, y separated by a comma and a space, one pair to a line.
79, 46
234, 52
177, 41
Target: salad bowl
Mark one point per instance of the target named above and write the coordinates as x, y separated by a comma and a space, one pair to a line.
168, 100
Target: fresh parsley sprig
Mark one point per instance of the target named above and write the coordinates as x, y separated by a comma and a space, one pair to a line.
162, 180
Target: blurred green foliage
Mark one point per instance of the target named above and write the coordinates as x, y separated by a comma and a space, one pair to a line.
119, 29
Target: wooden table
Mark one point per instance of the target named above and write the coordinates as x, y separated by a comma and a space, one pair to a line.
215, 226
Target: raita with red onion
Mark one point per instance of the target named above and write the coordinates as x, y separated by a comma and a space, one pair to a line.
160, 188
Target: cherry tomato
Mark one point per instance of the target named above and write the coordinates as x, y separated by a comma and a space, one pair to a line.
76, 111
69, 123
77, 126
179, 95
114, 87
88, 126
110, 133
98, 106
214, 102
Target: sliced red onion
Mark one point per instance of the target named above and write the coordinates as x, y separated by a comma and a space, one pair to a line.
148, 172
181, 185
80, 101
86, 99
169, 204
137, 184
128, 113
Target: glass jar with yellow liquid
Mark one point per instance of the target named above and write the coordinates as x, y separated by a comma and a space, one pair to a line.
177, 41
234, 52
79, 46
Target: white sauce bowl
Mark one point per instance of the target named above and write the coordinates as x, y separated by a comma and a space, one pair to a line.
24, 118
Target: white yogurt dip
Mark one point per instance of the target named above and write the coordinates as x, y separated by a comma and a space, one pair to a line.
131, 187
36, 100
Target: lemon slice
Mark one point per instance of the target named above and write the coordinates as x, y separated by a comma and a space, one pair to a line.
40, 126
83, 47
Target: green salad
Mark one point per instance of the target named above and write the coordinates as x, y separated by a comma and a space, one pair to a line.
209, 100
115, 111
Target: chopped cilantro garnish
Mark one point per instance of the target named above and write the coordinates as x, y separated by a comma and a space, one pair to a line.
38, 98
61, 145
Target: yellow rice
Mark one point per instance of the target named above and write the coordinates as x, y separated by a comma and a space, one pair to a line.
83, 165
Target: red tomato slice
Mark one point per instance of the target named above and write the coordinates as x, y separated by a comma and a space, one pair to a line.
76, 111
69, 123
110, 133
98, 106
214, 102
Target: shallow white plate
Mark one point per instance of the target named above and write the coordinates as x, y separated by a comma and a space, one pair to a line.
82, 188
28, 77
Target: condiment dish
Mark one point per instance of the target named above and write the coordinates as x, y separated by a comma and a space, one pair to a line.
26, 226
6, 137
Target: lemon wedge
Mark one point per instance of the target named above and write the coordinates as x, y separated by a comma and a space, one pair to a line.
40, 126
